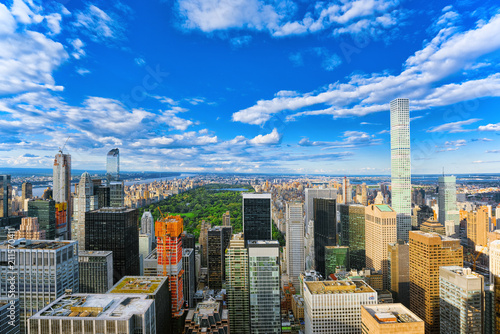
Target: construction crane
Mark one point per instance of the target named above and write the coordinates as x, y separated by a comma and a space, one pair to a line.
62, 148
473, 256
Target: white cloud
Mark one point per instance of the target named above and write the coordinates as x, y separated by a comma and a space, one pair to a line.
445, 55
454, 127
140, 61
98, 25
78, 50
272, 138
490, 127
82, 71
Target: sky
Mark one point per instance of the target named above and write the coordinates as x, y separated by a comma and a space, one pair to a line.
249, 86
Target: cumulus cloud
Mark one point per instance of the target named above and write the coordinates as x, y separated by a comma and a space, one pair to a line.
490, 127
447, 54
272, 138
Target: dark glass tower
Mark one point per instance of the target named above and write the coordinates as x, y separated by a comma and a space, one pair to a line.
257, 217
5, 196
45, 211
352, 227
116, 230
325, 229
113, 165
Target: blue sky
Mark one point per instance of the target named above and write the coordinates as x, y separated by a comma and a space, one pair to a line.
249, 85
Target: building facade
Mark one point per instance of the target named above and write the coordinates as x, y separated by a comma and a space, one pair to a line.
9, 315
325, 229
96, 271
428, 252
352, 233
380, 230
189, 277
62, 185
30, 229
113, 165
401, 165
336, 257
390, 319
265, 299
294, 241
257, 217
45, 211
399, 271
447, 201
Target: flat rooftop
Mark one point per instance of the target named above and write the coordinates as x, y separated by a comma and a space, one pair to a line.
263, 243
338, 287
96, 307
384, 207
138, 284
208, 307
391, 313
94, 253
35, 244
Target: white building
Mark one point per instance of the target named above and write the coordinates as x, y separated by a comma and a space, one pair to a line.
294, 241
43, 269
335, 306
447, 201
494, 259
147, 224
86, 201
401, 165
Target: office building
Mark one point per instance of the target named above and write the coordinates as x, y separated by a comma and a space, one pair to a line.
9, 315
265, 300
325, 229
346, 191
460, 300
295, 260
147, 224
103, 193
333, 307
218, 240
352, 233
27, 191
204, 242
95, 313
399, 271
364, 195
390, 319
448, 201
113, 165
45, 211
226, 219
116, 230
188, 240
168, 232
117, 194
145, 244
478, 227
336, 257
5, 196
86, 201
208, 317
380, 230
257, 218
428, 252
310, 195
153, 288
96, 271
401, 165
62, 185
44, 270
61, 220
431, 225
30, 229
237, 285
189, 277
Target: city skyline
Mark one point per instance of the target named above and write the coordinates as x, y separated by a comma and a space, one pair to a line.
287, 87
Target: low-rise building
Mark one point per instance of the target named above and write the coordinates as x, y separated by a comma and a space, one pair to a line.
390, 319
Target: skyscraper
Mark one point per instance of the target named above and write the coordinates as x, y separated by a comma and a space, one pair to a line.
237, 285
399, 271
325, 229
205, 226
380, 230
310, 195
147, 223
62, 185
448, 201
226, 219
116, 194
86, 201
352, 233
294, 241
460, 300
189, 276
265, 300
401, 165
477, 227
116, 230
257, 218
113, 165
346, 191
46, 270
27, 191
428, 252
168, 233
5, 196
495, 279
45, 211
30, 229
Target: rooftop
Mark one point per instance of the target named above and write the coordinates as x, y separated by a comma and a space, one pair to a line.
338, 287
96, 306
35, 244
256, 243
384, 208
138, 284
391, 313
94, 253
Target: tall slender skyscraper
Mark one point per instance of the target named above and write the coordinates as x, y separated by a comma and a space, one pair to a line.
294, 241
113, 165
401, 165
5, 196
87, 201
257, 218
62, 185
448, 201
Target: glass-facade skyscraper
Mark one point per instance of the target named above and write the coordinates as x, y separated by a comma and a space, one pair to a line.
448, 201
401, 165
5, 196
257, 220
325, 229
352, 233
113, 165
